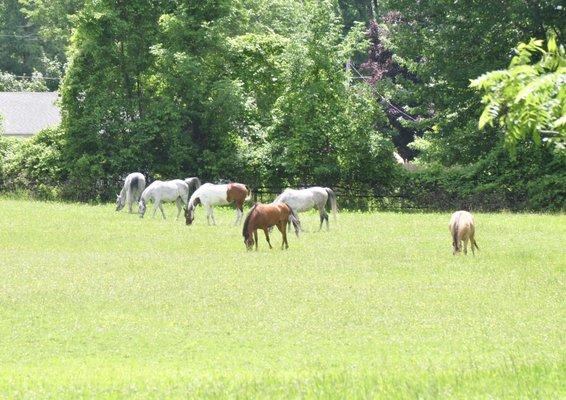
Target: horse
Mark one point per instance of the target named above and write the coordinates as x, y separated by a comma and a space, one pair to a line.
134, 185
211, 195
305, 199
159, 191
462, 229
264, 216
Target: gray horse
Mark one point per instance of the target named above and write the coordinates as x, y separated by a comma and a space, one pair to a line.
134, 185
307, 199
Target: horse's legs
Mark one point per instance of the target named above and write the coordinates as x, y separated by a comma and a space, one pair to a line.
156, 204
161, 208
284, 239
239, 213
267, 237
212, 215
179, 207
281, 227
466, 246
255, 238
129, 200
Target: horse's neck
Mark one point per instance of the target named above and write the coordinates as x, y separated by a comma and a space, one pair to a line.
146, 194
194, 196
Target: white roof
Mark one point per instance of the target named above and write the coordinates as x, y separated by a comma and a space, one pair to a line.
26, 113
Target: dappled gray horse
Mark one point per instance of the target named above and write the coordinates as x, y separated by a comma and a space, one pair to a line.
134, 185
306, 199
160, 191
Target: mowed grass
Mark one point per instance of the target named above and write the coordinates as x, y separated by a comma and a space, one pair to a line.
100, 304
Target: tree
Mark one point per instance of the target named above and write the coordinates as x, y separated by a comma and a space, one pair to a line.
528, 99
444, 44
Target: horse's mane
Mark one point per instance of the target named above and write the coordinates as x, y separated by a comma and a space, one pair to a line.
247, 220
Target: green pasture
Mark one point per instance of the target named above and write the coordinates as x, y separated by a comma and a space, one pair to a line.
100, 304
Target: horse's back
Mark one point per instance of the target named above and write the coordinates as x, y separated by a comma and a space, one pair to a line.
168, 190
212, 193
303, 199
462, 222
266, 215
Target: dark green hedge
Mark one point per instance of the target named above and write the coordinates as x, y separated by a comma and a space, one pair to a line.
533, 181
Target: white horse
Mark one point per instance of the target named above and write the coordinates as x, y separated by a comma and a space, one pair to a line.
134, 185
307, 199
212, 195
160, 191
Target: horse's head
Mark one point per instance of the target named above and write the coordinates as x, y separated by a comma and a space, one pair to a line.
249, 241
141, 208
119, 203
189, 215
190, 211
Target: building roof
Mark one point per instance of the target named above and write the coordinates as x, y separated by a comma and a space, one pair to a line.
27, 113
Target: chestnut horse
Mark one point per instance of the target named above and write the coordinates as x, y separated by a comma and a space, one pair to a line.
264, 216
211, 195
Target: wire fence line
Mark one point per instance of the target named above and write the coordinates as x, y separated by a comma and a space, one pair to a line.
348, 198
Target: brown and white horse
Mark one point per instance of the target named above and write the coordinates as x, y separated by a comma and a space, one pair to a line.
264, 216
212, 195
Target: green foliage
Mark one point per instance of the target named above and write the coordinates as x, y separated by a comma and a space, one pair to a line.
444, 44
33, 37
232, 90
10, 83
33, 166
534, 180
528, 100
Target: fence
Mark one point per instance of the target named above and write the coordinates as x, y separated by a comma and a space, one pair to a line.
348, 198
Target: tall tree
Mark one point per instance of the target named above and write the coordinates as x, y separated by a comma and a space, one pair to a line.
446, 43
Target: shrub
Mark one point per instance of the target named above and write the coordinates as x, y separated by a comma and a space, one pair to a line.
33, 165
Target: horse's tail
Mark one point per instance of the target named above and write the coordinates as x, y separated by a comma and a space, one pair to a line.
294, 219
134, 185
247, 221
474, 243
249, 195
333, 204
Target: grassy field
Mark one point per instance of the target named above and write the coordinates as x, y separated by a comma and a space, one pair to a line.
99, 304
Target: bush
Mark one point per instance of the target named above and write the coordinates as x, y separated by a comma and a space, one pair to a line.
534, 181
33, 165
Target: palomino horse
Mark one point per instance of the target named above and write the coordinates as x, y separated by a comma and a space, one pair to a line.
211, 195
131, 192
462, 229
264, 216
160, 191
307, 199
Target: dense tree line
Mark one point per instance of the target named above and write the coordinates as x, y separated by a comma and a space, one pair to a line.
278, 93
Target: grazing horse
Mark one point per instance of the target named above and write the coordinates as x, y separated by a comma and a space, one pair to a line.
462, 229
211, 195
159, 191
306, 199
264, 216
134, 185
